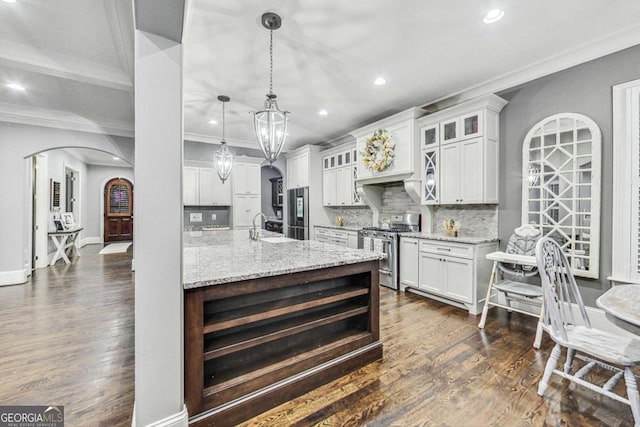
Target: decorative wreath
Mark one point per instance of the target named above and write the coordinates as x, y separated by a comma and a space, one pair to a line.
379, 151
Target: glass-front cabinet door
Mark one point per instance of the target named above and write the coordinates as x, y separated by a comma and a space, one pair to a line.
449, 130
471, 124
430, 136
430, 164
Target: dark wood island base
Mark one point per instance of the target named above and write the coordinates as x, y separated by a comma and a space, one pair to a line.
254, 344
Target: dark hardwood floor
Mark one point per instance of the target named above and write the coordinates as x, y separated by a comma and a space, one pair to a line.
66, 338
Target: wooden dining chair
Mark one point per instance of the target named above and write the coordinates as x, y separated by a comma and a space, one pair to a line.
568, 325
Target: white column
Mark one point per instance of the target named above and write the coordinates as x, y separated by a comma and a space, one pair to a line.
159, 362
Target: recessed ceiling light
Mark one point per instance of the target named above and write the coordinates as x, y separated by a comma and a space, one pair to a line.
323, 112
493, 16
115, 158
213, 122
379, 81
16, 86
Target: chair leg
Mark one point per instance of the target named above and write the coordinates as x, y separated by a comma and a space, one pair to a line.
567, 364
632, 394
485, 309
548, 370
538, 339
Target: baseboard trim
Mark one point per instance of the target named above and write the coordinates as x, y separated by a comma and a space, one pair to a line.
181, 419
16, 277
90, 241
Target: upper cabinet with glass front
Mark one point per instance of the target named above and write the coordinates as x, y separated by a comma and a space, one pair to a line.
561, 186
459, 147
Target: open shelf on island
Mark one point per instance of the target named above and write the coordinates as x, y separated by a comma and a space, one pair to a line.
251, 345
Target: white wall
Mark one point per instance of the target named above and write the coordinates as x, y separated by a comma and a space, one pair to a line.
57, 161
18, 142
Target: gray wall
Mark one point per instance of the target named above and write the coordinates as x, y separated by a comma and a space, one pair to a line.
584, 89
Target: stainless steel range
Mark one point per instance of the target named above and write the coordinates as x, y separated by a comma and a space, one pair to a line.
386, 239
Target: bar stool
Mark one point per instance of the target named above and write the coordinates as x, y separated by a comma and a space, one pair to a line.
518, 261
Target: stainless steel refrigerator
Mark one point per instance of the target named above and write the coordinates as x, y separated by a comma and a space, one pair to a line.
298, 202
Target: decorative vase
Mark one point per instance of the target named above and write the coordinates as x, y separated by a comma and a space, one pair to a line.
451, 233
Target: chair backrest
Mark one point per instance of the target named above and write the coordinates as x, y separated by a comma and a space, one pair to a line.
522, 242
562, 300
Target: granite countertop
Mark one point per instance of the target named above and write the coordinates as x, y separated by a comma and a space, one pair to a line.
344, 227
215, 257
459, 239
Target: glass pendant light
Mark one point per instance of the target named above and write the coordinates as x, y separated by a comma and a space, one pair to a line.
271, 123
223, 159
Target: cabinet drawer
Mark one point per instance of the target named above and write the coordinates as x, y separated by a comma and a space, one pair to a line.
323, 232
339, 242
340, 234
445, 248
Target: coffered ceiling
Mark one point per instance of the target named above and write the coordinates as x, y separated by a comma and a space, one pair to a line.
75, 58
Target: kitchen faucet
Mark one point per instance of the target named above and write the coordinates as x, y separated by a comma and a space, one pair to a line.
253, 233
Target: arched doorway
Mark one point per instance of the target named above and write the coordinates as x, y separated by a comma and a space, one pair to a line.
118, 210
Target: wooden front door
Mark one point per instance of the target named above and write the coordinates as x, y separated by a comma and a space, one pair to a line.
118, 210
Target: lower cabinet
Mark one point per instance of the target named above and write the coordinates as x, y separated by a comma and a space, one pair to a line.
451, 272
346, 238
408, 262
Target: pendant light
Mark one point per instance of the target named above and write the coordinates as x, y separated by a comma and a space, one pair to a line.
223, 159
271, 123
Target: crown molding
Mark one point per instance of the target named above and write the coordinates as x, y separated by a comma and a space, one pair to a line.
59, 120
208, 139
622, 39
30, 59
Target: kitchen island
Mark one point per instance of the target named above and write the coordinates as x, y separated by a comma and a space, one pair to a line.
265, 322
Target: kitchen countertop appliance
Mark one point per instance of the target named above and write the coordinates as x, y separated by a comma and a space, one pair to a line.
386, 239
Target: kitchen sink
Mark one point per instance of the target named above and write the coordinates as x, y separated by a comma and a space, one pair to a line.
280, 239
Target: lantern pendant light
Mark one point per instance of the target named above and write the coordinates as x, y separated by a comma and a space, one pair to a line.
271, 123
223, 159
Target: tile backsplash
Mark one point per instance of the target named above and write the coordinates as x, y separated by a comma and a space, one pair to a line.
356, 216
475, 220
395, 199
205, 213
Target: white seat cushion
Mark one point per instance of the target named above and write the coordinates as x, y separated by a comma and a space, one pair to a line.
602, 345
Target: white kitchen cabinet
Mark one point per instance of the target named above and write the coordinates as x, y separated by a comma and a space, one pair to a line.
460, 153
298, 170
409, 261
203, 187
329, 194
336, 236
221, 191
456, 273
344, 186
246, 178
339, 172
431, 176
190, 192
245, 208
462, 172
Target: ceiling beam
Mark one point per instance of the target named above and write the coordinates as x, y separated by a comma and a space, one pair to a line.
29, 59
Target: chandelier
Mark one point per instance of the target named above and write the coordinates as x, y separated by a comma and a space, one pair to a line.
222, 158
271, 123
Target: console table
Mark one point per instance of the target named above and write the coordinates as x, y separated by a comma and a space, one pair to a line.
65, 241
